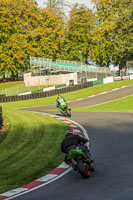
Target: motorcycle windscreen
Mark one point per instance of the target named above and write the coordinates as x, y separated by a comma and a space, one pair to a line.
73, 153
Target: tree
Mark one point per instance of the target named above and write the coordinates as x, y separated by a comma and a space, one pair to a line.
17, 20
112, 35
58, 4
102, 35
28, 31
51, 34
123, 43
78, 31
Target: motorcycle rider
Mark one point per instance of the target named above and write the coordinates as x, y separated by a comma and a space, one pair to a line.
59, 98
58, 102
71, 141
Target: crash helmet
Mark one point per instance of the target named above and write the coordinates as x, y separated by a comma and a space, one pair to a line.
59, 96
69, 132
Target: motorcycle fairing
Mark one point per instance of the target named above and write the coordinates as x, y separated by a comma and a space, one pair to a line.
74, 153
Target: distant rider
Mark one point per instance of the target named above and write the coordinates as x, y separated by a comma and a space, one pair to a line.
71, 141
59, 100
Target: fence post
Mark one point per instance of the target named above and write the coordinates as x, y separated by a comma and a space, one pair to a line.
4, 98
1, 120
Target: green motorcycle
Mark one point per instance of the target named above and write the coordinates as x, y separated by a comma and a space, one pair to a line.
64, 108
80, 162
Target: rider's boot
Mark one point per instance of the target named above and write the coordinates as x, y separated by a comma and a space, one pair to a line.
61, 110
67, 160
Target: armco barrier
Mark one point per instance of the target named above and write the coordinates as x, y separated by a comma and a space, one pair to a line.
98, 81
37, 91
60, 86
46, 93
1, 120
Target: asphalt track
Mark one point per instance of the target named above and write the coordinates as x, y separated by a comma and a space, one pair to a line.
111, 139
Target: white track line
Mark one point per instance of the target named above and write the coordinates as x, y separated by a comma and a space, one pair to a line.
107, 101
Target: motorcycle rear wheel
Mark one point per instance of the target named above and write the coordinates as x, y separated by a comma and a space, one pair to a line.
83, 169
68, 113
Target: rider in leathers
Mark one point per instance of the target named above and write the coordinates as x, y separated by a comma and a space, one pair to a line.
71, 141
58, 100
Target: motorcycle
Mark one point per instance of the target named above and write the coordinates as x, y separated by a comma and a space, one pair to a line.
65, 109
80, 162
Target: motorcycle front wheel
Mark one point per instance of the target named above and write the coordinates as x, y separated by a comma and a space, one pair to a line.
83, 169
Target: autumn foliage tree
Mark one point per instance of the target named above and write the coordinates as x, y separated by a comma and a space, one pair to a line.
123, 30
17, 20
78, 31
112, 34
26, 30
51, 34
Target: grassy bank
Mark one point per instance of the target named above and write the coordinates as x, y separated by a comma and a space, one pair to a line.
31, 148
17, 87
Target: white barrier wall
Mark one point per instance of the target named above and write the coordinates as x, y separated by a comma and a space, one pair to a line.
49, 80
117, 78
48, 89
108, 79
131, 76
92, 79
125, 77
24, 93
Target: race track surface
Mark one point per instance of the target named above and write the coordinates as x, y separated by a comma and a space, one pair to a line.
111, 143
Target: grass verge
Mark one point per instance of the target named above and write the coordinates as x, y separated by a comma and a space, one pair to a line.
17, 87
122, 105
31, 148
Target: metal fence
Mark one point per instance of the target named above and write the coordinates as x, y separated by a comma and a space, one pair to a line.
63, 65
4, 98
1, 120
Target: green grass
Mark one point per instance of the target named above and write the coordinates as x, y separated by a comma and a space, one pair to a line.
17, 87
31, 147
10, 84
96, 89
122, 105
14, 88
69, 96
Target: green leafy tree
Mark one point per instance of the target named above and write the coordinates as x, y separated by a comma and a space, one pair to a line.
51, 34
123, 43
102, 35
112, 35
78, 31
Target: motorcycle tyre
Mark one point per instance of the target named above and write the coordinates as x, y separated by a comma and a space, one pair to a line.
68, 113
62, 112
85, 173
65, 114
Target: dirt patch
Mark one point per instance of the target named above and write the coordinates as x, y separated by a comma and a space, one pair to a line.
3, 130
